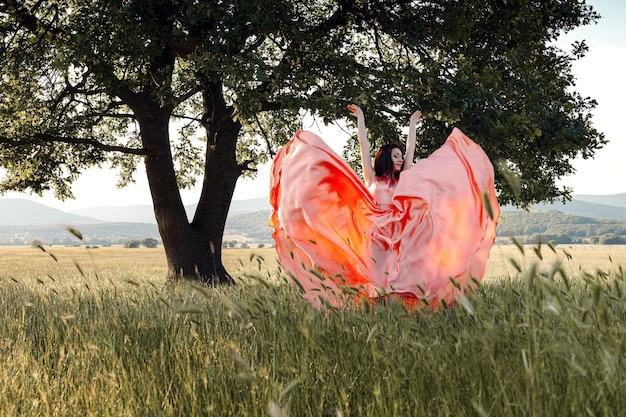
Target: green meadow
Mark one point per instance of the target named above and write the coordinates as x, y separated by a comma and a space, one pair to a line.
98, 332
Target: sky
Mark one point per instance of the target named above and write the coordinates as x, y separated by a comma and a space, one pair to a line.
600, 75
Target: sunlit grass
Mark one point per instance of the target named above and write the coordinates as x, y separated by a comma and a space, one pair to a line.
575, 260
97, 332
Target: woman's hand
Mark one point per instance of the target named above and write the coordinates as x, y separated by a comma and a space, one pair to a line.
355, 111
416, 117
410, 143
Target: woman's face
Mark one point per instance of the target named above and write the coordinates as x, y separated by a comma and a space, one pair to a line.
397, 158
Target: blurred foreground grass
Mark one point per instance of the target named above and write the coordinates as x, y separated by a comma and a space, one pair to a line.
97, 332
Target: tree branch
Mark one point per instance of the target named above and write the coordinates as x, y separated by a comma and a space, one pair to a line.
267, 139
245, 165
107, 114
184, 97
254, 45
270, 105
43, 137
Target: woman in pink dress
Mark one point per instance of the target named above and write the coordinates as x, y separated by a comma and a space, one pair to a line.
421, 232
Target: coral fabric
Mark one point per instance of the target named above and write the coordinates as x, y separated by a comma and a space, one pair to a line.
336, 239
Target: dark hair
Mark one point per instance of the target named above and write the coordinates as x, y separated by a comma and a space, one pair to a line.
383, 164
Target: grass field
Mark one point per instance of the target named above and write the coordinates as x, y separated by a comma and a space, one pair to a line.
118, 263
98, 332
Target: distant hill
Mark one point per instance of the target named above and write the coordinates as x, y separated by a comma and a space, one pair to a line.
22, 212
133, 214
93, 234
250, 205
531, 226
580, 208
22, 221
254, 225
145, 213
583, 205
560, 227
611, 200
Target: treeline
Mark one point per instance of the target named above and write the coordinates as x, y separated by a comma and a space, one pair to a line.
546, 226
529, 227
92, 234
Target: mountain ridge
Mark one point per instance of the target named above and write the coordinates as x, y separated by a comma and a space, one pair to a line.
609, 199
22, 212
22, 221
580, 208
144, 213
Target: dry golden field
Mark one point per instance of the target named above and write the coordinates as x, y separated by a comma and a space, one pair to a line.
116, 263
575, 259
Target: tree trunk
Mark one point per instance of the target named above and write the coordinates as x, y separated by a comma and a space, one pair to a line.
221, 170
193, 250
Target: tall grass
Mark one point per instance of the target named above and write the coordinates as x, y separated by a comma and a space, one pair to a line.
541, 343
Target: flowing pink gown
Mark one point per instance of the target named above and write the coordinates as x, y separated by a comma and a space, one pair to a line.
423, 238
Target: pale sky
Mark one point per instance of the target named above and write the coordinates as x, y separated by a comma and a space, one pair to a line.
600, 74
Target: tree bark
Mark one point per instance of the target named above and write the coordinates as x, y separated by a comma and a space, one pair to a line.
193, 250
221, 171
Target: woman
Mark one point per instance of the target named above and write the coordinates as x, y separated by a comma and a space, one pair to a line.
422, 236
381, 178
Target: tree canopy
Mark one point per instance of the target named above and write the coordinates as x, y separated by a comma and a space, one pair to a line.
85, 83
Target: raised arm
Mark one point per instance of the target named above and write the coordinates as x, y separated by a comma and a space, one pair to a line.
410, 142
366, 157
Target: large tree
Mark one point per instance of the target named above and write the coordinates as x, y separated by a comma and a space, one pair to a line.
91, 83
